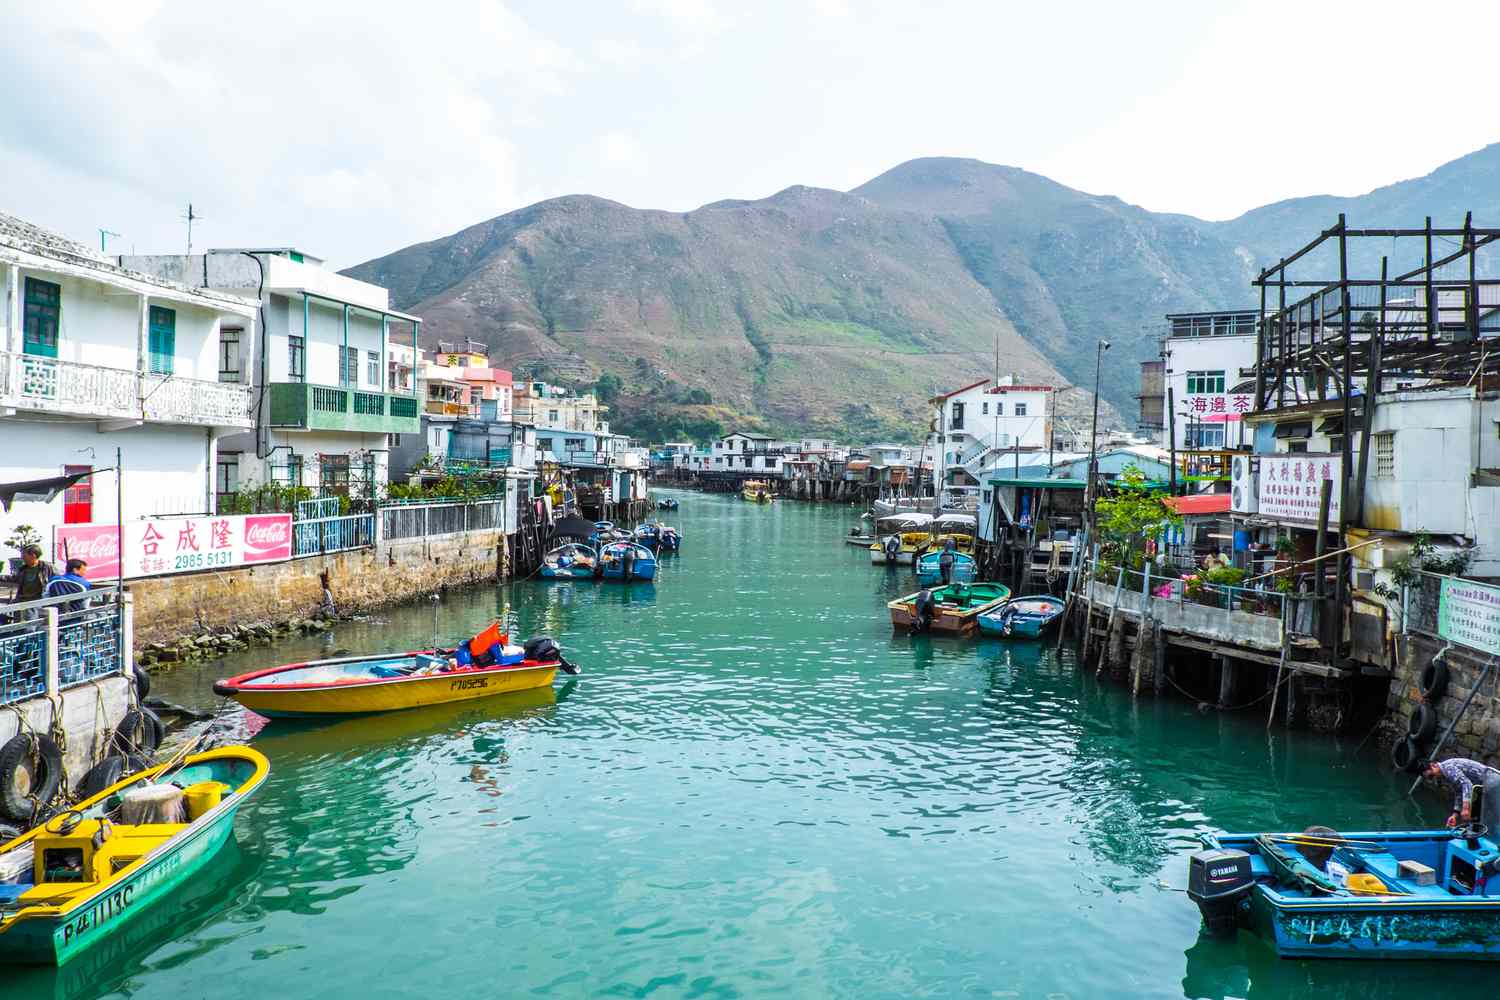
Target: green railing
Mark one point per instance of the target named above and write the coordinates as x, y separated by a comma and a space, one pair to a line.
330, 408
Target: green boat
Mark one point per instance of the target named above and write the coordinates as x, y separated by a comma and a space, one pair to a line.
85, 873
954, 609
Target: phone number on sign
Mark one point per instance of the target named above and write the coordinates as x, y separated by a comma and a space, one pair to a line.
202, 560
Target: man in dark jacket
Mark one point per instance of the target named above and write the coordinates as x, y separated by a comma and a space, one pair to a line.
31, 581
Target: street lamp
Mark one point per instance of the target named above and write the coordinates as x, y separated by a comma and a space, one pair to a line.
1094, 444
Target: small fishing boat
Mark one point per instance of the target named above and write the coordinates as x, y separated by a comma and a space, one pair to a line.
667, 503
953, 609
930, 568
573, 561
85, 873
649, 535
757, 491
670, 539
1022, 617
900, 539
604, 531
959, 528
627, 561
1319, 894
483, 666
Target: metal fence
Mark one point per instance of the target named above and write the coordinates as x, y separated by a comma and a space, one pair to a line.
419, 520
50, 645
321, 535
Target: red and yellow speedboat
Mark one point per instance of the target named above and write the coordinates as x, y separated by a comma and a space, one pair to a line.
484, 666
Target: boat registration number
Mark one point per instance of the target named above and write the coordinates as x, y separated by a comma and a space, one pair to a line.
469, 683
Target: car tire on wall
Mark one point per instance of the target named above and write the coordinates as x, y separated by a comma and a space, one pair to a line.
1405, 754
31, 769
1434, 679
1422, 726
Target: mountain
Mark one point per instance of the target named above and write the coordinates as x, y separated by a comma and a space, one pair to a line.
817, 310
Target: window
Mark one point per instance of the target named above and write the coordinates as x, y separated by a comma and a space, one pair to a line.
348, 365
296, 358
1385, 455
552, 416
333, 473
1020, 409
1297, 446
372, 368
229, 354
163, 340
1201, 436
1205, 383
227, 473
999, 408
395, 440
573, 444
956, 422
984, 409
43, 311
288, 473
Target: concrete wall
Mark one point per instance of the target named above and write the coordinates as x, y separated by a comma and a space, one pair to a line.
168, 468
90, 712
1223, 354
1478, 732
172, 607
1189, 618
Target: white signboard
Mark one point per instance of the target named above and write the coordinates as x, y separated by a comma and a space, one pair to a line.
1219, 407
1469, 613
1291, 484
163, 546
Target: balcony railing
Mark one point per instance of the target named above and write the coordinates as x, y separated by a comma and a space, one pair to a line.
70, 387
336, 408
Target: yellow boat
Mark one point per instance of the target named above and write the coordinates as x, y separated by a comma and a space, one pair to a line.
482, 667
900, 549
85, 873
757, 491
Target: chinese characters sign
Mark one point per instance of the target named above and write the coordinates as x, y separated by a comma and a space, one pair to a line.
1291, 484
1219, 407
1469, 613
162, 546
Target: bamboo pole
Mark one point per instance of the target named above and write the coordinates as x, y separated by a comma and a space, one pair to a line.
1315, 559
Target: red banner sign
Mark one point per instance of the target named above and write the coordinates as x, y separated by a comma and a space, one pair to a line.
166, 545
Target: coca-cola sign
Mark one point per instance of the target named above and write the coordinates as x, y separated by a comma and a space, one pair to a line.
166, 545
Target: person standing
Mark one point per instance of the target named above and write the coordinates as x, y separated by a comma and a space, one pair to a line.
1463, 774
33, 577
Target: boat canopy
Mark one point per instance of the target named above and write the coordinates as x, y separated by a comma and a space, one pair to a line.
907, 518
951, 521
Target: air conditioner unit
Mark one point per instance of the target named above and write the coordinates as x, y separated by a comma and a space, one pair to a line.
1244, 483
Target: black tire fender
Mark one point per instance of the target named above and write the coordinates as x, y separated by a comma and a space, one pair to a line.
1422, 726
103, 774
1434, 680
141, 730
1405, 755
43, 764
142, 683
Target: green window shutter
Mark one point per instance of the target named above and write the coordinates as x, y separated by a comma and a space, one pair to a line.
41, 314
163, 345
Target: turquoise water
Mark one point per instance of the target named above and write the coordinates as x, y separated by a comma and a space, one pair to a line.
754, 790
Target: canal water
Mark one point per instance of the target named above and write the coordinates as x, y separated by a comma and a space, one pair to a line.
755, 789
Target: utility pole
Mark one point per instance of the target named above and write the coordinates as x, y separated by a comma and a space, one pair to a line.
190, 217
105, 234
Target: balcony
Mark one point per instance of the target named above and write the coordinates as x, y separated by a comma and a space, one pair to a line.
69, 388
328, 408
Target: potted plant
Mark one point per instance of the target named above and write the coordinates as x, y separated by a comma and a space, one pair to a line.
22, 536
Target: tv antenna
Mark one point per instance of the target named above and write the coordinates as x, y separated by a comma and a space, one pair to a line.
190, 218
105, 234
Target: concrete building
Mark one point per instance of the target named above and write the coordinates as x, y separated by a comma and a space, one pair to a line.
988, 416
750, 454
1202, 356
98, 356
544, 405
325, 417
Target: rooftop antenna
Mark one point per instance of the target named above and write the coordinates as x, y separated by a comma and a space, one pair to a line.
190, 218
105, 234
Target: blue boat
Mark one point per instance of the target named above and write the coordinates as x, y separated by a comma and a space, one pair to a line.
627, 561
573, 561
930, 569
1022, 617
670, 538
604, 531
669, 503
1318, 894
649, 535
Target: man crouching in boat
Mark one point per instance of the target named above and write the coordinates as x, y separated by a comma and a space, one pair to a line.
1463, 775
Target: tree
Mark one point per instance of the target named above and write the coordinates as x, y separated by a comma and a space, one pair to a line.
607, 389
699, 397
1131, 511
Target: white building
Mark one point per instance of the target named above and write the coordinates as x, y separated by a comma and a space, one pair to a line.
989, 416
326, 415
749, 453
97, 357
1199, 372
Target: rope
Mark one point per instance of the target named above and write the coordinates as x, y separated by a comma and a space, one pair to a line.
1231, 708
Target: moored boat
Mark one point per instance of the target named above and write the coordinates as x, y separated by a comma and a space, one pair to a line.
483, 666
900, 539
648, 534
627, 561
930, 568
72, 882
670, 539
1022, 617
757, 491
573, 561
1317, 894
953, 609
956, 527
667, 503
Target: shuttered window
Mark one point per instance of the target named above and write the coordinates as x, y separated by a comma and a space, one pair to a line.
163, 340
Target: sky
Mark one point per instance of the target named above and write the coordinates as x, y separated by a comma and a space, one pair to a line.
352, 129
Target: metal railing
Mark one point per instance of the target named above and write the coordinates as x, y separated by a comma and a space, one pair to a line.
1227, 597
50, 645
38, 383
418, 520
322, 535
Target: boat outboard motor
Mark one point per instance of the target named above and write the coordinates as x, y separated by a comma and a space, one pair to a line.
627, 562
544, 648
924, 609
892, 547
1219, 881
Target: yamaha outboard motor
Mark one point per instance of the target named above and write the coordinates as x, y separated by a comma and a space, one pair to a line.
1219, 881
892, 548
924, 610
543, 649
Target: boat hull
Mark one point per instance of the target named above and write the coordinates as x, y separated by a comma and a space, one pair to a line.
1432, 930
567, 573
1022, 619
57, 937
392, 694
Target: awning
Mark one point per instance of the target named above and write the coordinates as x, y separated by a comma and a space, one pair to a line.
1335, 425
1201, 503
1294, 429
38, 490
1043, 484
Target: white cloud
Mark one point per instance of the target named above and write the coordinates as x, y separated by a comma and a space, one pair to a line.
622, 152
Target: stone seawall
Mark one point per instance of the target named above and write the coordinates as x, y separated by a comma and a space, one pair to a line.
1478, 731
171, 608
